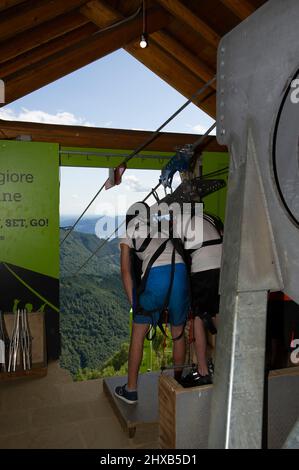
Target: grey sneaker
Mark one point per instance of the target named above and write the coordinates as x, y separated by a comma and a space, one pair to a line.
128, 397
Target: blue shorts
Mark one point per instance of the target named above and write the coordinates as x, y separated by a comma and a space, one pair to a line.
155, 293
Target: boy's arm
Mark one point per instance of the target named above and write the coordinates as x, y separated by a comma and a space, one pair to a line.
125, 267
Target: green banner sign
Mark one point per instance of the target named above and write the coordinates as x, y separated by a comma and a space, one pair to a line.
29, 232
29, 201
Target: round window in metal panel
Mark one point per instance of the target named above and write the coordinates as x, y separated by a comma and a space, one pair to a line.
286, 150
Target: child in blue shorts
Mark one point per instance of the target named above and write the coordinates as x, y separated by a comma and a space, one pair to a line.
166, 278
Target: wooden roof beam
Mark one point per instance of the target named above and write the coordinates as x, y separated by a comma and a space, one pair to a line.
46, 50
100, 13
5, 4
160, 61
62, 63
193, 63
39, 35
31, 14
183, 13
174, 73
96, 137
241, 8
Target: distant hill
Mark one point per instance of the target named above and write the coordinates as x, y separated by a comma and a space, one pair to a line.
94, 307
79, 246
88, 224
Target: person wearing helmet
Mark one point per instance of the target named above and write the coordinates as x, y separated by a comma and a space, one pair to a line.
162, 285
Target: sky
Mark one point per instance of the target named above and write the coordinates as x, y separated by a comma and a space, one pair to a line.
118, 92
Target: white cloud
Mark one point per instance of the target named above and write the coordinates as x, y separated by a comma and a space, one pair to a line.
132, 183
61, 117
200, 129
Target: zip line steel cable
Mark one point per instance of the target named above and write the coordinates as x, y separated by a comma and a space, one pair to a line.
202, 137
115, 231
85, 210
153, 137
207, 175
215, 173
156, 133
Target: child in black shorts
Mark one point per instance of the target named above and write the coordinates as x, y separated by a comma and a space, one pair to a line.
205, 272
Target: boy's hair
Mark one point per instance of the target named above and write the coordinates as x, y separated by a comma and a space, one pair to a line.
134, 211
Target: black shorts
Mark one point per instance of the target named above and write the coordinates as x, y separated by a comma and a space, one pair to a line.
205, 292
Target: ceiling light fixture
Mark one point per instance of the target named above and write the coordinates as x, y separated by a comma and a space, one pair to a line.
143, 40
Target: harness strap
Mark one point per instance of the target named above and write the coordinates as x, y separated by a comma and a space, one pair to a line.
176, 247
165, 304
155, 256
145, 242
216, 241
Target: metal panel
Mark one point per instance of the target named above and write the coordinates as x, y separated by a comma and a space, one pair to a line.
256, 63
283, 410
256, 120
195, 404
292, 441
190, 411
237, 403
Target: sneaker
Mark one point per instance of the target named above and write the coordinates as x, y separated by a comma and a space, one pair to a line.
201, 379
194, 379
188, 380
129, 397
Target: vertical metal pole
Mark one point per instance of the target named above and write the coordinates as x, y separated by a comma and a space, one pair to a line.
237, 405
248, 272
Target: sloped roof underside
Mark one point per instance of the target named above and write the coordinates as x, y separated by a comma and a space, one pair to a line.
42, 41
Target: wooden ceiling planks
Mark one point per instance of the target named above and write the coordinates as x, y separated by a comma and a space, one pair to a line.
41, 41
32, 13
155, 57
241, 8
35, 37
46, 50
187, 58
170, 70
5, 4
185, 15
72, 58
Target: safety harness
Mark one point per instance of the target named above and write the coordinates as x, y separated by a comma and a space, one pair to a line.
217, 223
140, 281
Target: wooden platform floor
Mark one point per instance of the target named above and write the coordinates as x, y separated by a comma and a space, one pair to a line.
56, 413
145, 412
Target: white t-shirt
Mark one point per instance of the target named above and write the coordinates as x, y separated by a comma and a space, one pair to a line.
139, 236
207, 257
